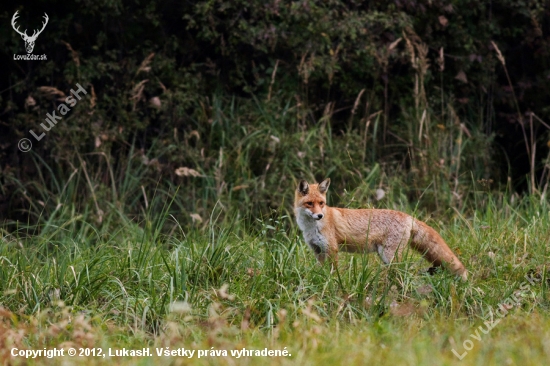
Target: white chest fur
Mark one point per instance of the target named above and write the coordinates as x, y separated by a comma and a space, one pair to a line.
311, 229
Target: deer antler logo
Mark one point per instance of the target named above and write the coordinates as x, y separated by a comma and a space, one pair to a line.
29, 41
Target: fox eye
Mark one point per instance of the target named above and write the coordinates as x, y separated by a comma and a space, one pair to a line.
321, 203
309, 203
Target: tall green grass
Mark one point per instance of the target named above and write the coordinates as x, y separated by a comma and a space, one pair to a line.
234, 282
245, 156
191, 242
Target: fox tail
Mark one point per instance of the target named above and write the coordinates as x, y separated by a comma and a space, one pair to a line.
432, 246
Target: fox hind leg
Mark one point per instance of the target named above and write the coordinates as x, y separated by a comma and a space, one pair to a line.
393, 247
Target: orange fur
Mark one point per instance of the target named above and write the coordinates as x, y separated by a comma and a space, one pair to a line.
328, 230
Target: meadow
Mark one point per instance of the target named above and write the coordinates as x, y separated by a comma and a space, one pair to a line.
235, 283
154, 223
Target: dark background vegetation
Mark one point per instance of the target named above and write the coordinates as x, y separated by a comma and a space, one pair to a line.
233, 101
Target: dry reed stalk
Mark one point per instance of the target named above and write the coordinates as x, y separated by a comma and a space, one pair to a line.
529, 147
272, 80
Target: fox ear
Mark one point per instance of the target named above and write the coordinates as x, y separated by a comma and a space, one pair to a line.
323, 186
303, 187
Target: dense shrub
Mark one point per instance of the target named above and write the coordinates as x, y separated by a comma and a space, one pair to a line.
251, 95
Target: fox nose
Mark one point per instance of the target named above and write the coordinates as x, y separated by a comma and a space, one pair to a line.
319, 216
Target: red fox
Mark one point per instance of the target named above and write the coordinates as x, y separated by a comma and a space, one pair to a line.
328, 230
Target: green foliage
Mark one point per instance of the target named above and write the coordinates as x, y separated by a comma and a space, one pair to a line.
256, 94
161, 205
127, 284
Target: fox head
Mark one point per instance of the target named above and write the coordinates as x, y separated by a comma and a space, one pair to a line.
311, 199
